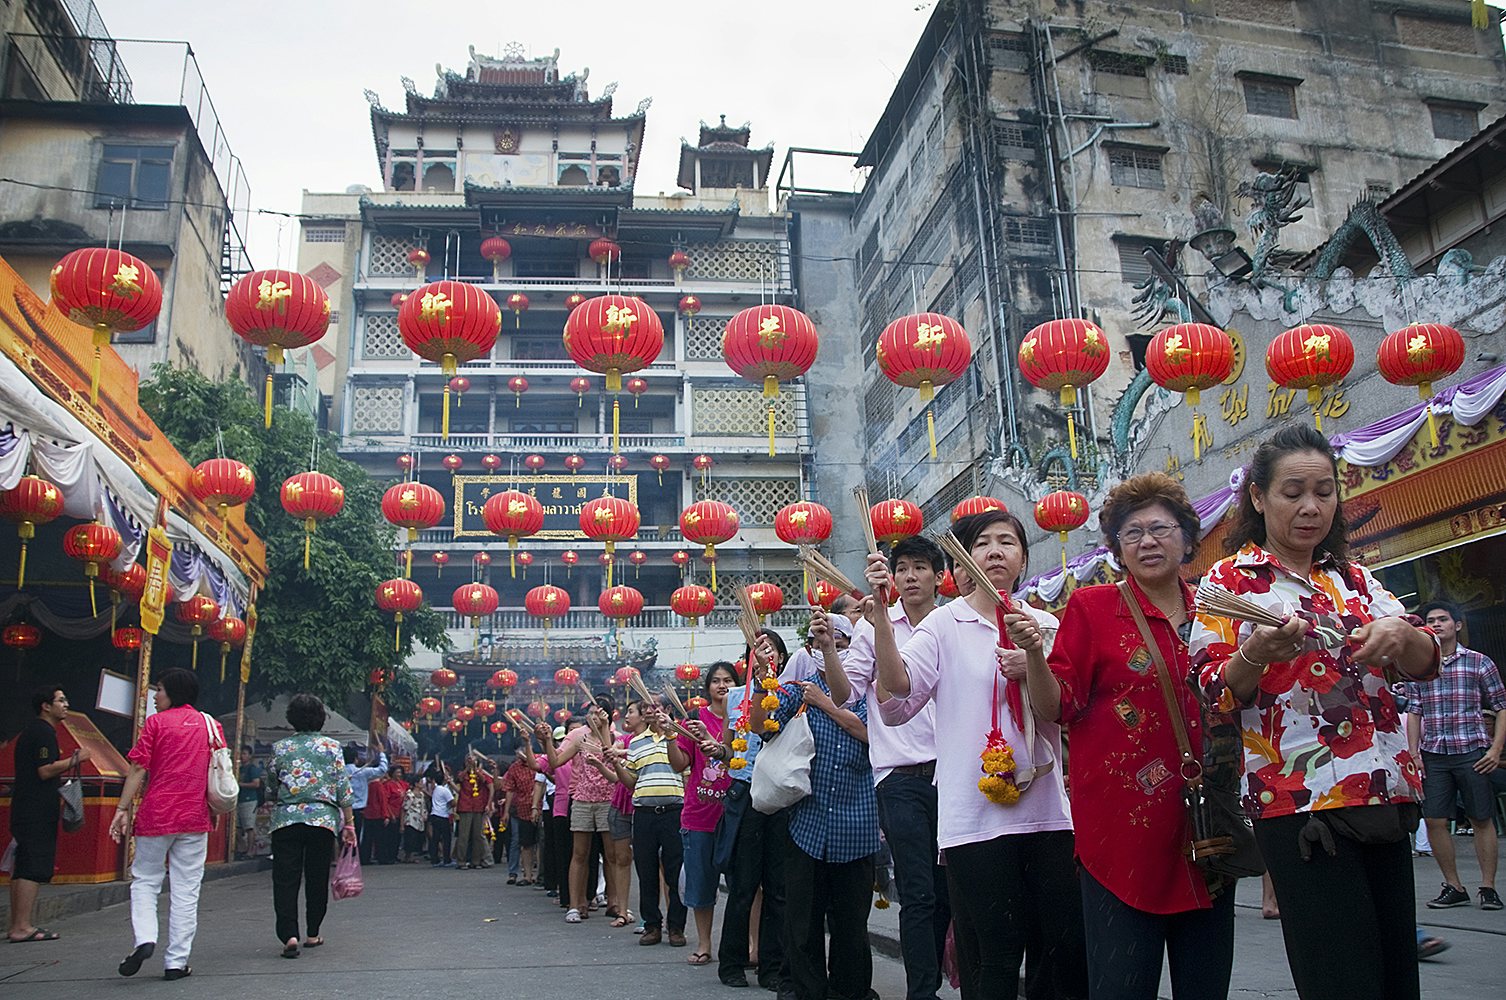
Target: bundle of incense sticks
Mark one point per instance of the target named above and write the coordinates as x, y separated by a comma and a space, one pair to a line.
747, 618
964, 559
674, 699
519, 719
1217, 601
822, 568
585, 691
866, 517
641, 690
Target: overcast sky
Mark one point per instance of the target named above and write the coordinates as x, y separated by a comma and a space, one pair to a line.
287, 77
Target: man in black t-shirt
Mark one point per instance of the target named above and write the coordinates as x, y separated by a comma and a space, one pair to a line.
35, 807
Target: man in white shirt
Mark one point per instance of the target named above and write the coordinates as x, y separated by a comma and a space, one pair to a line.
904, 769
360, 783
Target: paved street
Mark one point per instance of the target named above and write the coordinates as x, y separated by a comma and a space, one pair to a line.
417, 931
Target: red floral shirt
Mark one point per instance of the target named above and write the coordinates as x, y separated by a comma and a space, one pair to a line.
1322, 731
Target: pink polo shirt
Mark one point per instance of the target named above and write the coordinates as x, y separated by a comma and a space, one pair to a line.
174, 750
889, 746
562, 777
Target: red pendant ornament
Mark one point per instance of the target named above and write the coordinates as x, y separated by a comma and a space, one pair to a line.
565, 677
405, 462
452, 463
680, 558
513, 514
399, 597
223, 483
659, 463
688, 307
429, 706
605, 253
1188, 358
230, 633
419, 258
449, 323
127, 584
804, 522
821, 594
614, 335
637, 557
128, 638
617, 463
443, 678
895, 519
770, 344
580, 386
924, 351
414, 506
31, 502
708, 523
495, 250
108, 290
198, 611
574, 299
1061, 512
548, 603
1420, 355
279, 310
766, 598
534, 463
475, 600
481, 560
687, 673
679, 260
620, 603
311, 497
21, 635
491, 463
610, 520
636, 387
574, 463
524, 559
1062, 356
517, 304
440, 560
1310, 357
497, 728
517, 385
976, 505
703, 464
93, 544
459, 385
569, 557
397, 298
502, 680
692, 602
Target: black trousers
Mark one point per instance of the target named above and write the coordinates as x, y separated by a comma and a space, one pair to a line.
907, 814
758, 860
1125, 946
557, 848
1003, 889
656, 841
301, 854
439, 839
361, 836
1363, 894
389, 839
821, 896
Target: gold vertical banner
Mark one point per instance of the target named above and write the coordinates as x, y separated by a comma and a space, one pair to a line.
159, 553
250, 637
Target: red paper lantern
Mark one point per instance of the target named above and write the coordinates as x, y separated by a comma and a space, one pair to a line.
692, 602
399, 597
637, 557
625, 675
92, 544
108, 290
443, 678
680, 558
1310, 357
687, 673
197, 612
574, 299
679, 260
514, 514
1188, 358
566, 677
21, 635
229, 632
534, 463
503, 680
278, 310
703, 464
127, 584
419, 258
977, 505
525, 559
620, 603
475, 600
127, 638
695, 702
766, 598
1419, 355
947, 585
610, 520
604, 558
464, 714
517, 303
497, 728
452, 463
495, 250
804, 522
637, 387
454, 727
441, 560
413, 505
1062, 356
405, 462
459, 385
604, 252
688, 306
569, 557
574, 463
311, 497
481, 559
895, 519
397, 298
491, 463
613, 335
821, 594
771, 344
538, 709
924, 351
617, 462
548, 603
430, 706
580, 386
708, 523
485, 707
31, 502
450, 323
1061, 512
659, 463
223, 482
563, 716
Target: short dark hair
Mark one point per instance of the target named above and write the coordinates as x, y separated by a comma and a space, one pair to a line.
841, 603
1249, 523
42, 697
779, 647
967, 529
919, 548
306, 715
713, 670
1145, 490
181, 686
350, 754
248, 748
1449, 606
606, 702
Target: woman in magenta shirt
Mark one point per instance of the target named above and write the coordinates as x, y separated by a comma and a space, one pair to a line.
705, 788
172, 822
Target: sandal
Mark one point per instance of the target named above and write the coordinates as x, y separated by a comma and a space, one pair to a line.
572, 916
131, 964
290, 950
40, 934
620, 921
313, 942
699, 958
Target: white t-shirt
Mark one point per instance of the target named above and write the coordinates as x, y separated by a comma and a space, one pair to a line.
443, 802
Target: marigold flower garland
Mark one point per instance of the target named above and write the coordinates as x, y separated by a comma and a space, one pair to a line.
744, 723
998, 782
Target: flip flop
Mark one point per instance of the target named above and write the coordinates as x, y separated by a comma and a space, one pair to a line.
40, 934
313, 942
131, 964
620, 921
699, 958
290, 950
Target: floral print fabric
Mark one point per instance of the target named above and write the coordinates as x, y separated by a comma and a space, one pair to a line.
312, 786
1322, 731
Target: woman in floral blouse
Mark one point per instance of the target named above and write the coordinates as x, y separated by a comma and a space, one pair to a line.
1328, 779
313, 806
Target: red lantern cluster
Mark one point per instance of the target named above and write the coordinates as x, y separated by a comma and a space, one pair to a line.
1311, 357
1062, 356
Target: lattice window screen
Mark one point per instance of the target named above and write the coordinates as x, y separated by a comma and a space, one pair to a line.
743, 412
734, 260
389, 257
376, 409
703, 341
755, 500
727, 584
380, 340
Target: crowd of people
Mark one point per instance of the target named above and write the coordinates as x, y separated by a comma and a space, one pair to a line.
938, 733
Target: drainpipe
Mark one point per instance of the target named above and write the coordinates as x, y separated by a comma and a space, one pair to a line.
1104, 127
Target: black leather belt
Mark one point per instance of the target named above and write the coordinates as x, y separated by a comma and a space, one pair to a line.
659, 810
926, 770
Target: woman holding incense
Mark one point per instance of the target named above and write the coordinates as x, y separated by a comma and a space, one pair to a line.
590, 799
1329, 783
1004, 828
1142, 897
705, 788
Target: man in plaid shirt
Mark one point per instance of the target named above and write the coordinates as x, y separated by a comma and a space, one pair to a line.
1446, 720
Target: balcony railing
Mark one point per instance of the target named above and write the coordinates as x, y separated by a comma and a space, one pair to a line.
587, 284
549, 442
592, 620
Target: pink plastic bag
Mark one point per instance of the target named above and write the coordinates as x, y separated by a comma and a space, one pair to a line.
346, 882
949, 958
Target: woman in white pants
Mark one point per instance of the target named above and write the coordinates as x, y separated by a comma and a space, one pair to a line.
172, 822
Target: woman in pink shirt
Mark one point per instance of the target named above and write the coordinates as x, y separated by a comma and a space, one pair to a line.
172, 822
705, 787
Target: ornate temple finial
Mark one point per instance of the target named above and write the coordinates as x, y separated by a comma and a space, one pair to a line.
643, 105
408, 85
514, 51
724, 121
372, 98
609, 89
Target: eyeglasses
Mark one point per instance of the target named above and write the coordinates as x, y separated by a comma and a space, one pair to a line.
1132, 536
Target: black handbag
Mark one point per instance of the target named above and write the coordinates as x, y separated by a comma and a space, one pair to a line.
1220, 835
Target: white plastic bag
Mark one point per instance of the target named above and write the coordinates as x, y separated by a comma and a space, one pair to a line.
782, 770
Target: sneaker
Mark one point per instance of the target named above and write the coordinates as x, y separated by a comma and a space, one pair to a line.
1489, 899
552, 894
1451, 897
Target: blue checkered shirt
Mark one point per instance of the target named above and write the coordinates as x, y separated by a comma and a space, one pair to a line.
838, 821
1453, 706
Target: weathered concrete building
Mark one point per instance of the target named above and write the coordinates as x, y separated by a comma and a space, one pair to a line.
1031, 153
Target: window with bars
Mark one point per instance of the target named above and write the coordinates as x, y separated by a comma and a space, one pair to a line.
324, 233
1015, 140
1377, 191
1008, 50
1454, 121
1136, 166
1174, 64
1027, 234
1133, 267
1270, 97
1119, 63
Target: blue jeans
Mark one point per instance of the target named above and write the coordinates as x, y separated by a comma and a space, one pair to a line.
512, 847
1125, 946
907, 814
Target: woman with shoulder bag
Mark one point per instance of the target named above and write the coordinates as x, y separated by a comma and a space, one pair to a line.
1117, 680
1329, 783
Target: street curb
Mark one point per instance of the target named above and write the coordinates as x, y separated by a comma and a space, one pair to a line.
73, 900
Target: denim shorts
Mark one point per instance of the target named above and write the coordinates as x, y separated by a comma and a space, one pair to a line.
699, 873
1447, 777
619, 824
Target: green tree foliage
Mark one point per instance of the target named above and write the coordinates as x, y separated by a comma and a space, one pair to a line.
319, 630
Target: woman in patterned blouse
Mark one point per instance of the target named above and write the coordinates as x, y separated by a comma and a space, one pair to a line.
313, 806
1328, 779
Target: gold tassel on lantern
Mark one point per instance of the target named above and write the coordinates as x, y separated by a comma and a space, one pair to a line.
1069, 400
224, 652
771, 393
512, 555
710, 556
101, 340
928, 393
1425, 393
448, 366
616, 423
308, 540
1478, 15
195, 642
1063, 536
1315, 400
274, 358
397, 640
